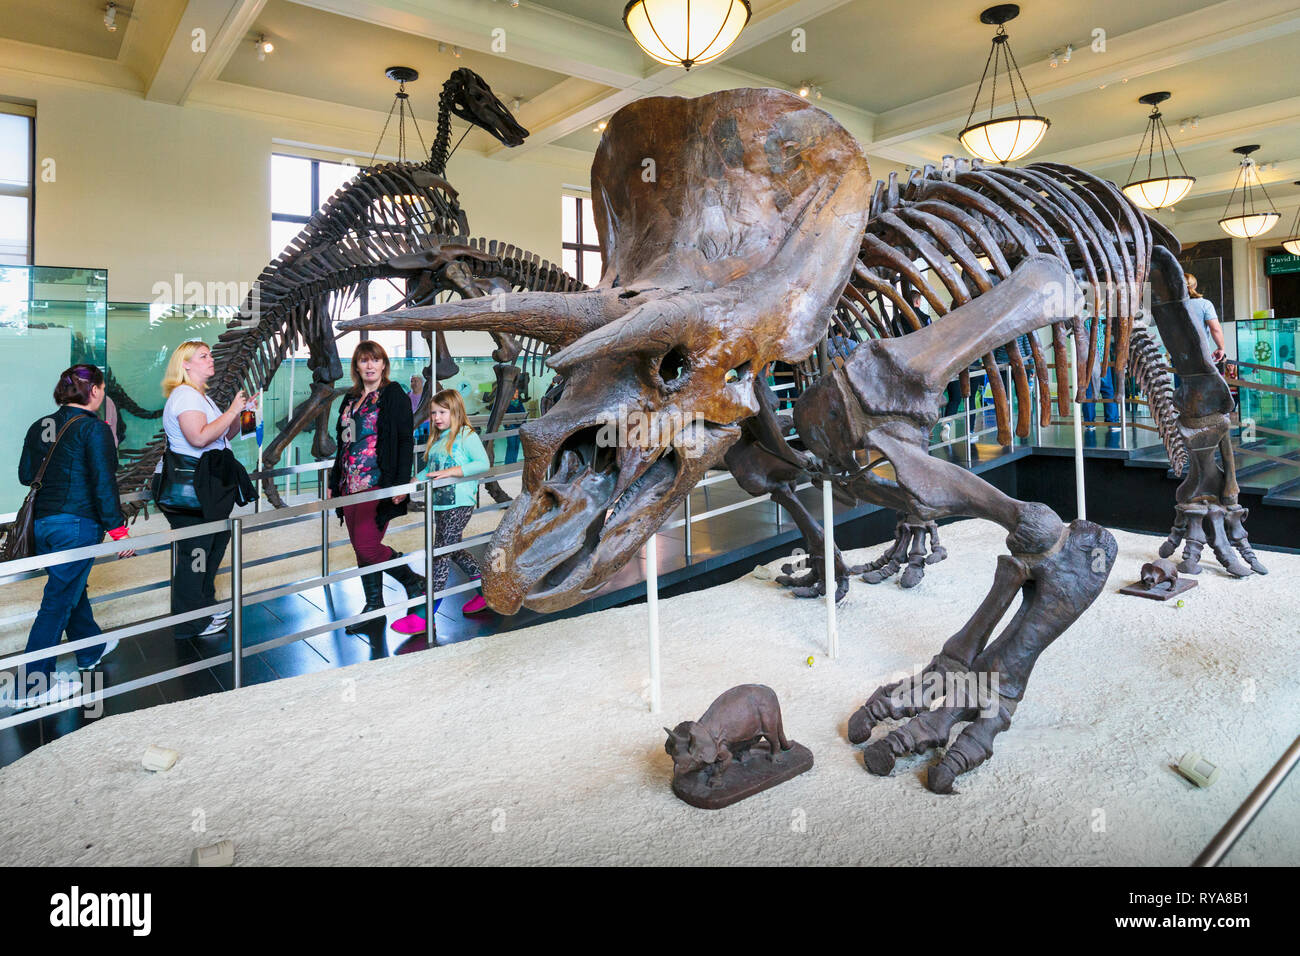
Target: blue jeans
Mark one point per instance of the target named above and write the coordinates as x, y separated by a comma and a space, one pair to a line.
65, 605
1111, 410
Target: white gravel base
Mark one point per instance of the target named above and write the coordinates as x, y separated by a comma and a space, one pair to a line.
537, 747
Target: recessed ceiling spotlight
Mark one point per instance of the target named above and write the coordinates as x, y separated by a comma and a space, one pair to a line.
600, 127
455, 51
1055, 59
264, 46
110, 18
442, 47
1069, 52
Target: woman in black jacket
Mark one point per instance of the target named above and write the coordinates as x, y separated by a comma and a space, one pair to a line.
77, 503
375, 450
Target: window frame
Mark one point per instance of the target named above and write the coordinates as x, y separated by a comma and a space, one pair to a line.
579, 247
28, 192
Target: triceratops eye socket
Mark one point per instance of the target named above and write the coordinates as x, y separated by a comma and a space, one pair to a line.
673, 367
734, 375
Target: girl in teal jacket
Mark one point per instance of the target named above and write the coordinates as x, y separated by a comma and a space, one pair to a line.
454, 451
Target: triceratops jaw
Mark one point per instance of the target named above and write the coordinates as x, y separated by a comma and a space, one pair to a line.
557, 539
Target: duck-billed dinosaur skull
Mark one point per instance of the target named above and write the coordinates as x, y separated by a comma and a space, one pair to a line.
729, 225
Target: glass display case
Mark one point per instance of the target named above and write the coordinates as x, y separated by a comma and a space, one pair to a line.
50, 318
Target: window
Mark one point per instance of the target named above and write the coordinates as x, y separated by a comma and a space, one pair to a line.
16, 168
298, 188
582, 258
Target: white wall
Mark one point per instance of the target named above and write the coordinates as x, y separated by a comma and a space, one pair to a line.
149, 190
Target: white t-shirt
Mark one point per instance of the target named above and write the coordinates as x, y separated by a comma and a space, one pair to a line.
186, 398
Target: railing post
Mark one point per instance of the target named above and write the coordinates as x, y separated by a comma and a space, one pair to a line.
237, 599
1012, 398
1081, 500
1223, 841
297, 475
688, 525
428, 559
828, 554
652, 610
324, 527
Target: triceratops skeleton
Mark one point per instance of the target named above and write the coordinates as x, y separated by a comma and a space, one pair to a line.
735, 252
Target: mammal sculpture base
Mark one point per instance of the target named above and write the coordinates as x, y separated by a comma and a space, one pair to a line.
1138, 589
749, 774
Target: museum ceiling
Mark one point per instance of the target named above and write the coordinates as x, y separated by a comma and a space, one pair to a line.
899, 76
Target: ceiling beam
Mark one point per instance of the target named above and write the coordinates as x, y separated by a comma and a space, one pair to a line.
581, 50
1161, 46
225, 24
1224, 131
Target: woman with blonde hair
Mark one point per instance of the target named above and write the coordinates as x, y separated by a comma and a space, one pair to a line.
1203, 309
454, 451
194, 425
376, 445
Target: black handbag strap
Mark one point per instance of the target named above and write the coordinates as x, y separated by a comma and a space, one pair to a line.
40, 474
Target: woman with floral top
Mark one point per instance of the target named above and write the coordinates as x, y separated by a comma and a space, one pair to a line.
375, 449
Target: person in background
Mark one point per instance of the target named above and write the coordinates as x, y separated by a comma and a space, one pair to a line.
1203, 309
455, 451
1101, 383
422, 432
194, 425
76, 504
512, 442
375, 449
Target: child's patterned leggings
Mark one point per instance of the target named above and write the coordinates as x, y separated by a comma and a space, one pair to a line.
448, 527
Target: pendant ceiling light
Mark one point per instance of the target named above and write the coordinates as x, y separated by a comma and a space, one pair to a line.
1006, 138
401, 75
1292, 245
1248, 222
1157, 191
685, 32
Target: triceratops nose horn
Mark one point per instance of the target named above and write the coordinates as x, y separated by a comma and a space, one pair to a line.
556, 318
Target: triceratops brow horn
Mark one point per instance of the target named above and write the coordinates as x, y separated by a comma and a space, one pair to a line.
556, 318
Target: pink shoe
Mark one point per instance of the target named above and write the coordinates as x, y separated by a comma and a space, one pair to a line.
474, 605
411, 624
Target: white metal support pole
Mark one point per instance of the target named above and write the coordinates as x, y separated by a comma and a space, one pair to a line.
1080, 497
828, 530
652, 607
429, 529
321, 482
237, 600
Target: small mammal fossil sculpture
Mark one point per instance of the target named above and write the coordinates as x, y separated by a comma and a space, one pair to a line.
732, 724
1160, 574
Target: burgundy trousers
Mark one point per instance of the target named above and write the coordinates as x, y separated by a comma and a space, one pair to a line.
367, 537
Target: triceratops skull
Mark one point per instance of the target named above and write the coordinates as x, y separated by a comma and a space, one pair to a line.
729, 225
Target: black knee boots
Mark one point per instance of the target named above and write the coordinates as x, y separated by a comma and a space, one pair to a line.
407, 578
373, 586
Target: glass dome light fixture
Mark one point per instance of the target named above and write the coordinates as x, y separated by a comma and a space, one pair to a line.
1249, 222
685, 32
1157, 192
1292, 245
1007, 138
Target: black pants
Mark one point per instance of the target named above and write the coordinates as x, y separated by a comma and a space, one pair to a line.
194, 577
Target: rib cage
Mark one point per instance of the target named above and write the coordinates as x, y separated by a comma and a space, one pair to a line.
966, 221
386, 211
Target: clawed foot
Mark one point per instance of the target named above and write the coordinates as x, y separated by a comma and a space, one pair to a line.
908, 552
960, 696
809, 583
1223, 529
